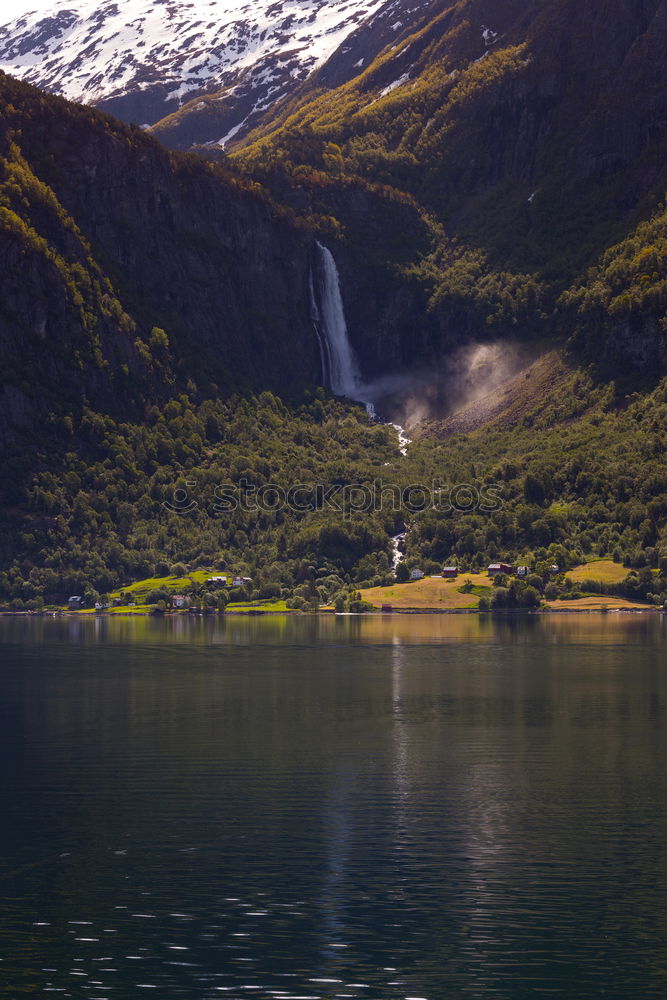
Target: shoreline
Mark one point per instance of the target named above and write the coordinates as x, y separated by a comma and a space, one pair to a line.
262, 613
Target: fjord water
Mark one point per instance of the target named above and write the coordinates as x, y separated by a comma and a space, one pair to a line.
429, 806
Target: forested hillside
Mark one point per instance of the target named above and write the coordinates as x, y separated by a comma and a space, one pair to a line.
550, 477
524, 143
487, 176
129, 270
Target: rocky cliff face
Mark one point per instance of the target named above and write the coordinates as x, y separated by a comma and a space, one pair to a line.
530, 138
106, 237
226, 116
498, 92
638, 344
466, 179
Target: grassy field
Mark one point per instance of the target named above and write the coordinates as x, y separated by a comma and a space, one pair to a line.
172, 583
601, 570
431, 594
136, 594
444, 595
270, 607
121, 609
596, 602
139, 590
242, 608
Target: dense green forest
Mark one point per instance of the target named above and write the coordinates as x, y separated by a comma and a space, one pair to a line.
553, 479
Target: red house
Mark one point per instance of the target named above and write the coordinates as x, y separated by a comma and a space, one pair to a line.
496, 568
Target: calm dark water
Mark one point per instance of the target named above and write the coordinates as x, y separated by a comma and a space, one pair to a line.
435, 807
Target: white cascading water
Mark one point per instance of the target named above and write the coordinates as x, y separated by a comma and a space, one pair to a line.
396, 543
403, 439
340, 367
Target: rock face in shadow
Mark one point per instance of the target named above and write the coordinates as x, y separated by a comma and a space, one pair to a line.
531, 134
480, 166
106, 236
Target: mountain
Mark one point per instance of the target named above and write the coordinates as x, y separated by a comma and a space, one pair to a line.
481, 178
129, 271
224, 117
528, 143
144, 59
487, 189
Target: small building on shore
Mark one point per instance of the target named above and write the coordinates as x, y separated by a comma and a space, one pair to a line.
74, 602
495, 568
178, 600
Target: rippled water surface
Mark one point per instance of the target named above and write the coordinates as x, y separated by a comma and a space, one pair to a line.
409, 807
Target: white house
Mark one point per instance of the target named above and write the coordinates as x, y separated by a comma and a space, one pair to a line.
417, 574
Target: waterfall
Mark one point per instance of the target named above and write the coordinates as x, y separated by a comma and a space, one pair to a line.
340, 368
403, 439
397, 555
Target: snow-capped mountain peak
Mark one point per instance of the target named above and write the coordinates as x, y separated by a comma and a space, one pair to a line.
141, 59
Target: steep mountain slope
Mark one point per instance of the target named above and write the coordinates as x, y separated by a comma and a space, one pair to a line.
225, 117
529, 137
128, 271
149, 300
476, 172
142, 59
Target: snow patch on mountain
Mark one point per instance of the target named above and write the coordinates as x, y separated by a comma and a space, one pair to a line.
396, 83
96, 51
